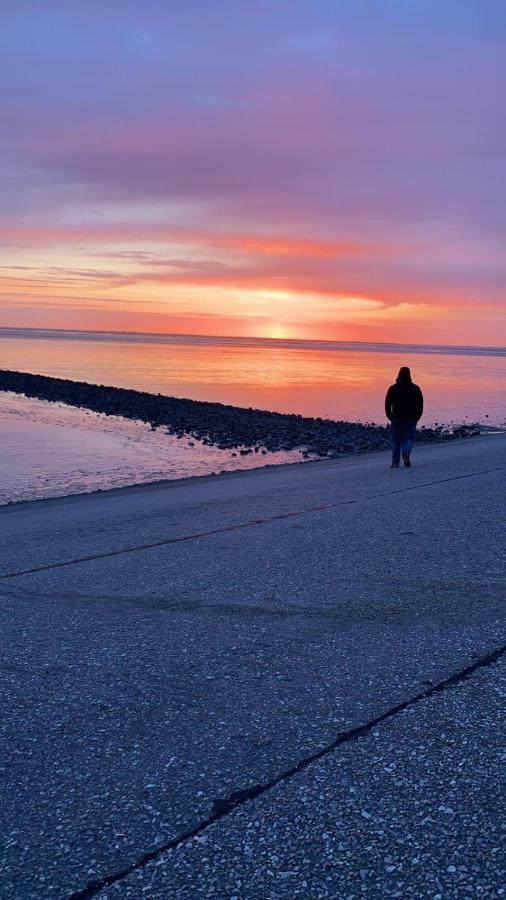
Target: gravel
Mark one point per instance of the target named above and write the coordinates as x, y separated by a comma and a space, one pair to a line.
227, 427
412, 809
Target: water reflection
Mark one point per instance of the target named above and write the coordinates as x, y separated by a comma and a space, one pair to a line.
51, 450
332, 383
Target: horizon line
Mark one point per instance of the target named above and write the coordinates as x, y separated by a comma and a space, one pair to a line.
290, 341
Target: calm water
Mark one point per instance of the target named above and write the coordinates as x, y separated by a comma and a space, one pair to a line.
52, 450
336, 383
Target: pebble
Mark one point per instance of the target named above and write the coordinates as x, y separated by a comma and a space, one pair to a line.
227, 427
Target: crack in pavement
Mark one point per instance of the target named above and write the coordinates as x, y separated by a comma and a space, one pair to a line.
240, 525
223, 806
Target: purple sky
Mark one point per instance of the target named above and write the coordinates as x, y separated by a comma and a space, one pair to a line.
254, 167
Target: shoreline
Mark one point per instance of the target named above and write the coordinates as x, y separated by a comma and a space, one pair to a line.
212, 478
238, 429
236, 438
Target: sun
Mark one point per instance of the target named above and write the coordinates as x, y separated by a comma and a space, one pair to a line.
277, 332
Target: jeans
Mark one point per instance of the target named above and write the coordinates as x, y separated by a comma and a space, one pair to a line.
403, 435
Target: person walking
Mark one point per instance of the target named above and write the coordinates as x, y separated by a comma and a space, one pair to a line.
403, 407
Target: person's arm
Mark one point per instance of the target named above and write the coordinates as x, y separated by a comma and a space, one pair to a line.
388, 404
419, 405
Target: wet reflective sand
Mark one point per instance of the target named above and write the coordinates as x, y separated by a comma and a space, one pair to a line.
50, 450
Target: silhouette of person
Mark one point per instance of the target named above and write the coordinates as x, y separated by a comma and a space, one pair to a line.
404, 407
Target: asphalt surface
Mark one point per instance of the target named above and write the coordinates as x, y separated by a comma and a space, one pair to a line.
179, 644
415, 808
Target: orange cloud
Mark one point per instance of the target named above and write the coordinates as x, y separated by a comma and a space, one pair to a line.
272, 245
98, 274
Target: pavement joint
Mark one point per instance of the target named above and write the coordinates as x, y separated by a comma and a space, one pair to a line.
224, 806
241, 525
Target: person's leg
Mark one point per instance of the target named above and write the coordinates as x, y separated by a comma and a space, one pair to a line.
396, 442
408, 437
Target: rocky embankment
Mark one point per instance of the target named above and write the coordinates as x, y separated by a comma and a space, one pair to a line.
228, 427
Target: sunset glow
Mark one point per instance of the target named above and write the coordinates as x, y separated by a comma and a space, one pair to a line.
293, 170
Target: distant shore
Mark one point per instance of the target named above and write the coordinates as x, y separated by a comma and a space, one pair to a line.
136, 337
216, 424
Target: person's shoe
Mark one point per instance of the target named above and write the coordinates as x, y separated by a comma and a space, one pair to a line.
407, 461
394, 466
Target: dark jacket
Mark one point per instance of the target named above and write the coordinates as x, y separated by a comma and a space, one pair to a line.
404, 400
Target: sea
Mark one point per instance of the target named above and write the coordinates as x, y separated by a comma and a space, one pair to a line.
51, 450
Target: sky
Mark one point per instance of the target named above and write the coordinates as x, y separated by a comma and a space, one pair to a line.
324, 169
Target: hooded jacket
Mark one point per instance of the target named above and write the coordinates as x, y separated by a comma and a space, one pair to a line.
404, 400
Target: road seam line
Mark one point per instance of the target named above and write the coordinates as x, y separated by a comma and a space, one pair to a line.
239, 525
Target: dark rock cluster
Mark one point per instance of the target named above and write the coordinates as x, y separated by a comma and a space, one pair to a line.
228, 427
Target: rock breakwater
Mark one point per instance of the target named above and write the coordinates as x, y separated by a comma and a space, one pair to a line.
228, 427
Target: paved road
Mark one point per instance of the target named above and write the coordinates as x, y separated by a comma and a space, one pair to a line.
170, 647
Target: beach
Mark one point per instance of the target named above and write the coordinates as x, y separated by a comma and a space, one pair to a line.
60, 436
52, 450
180, 658
86, 411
